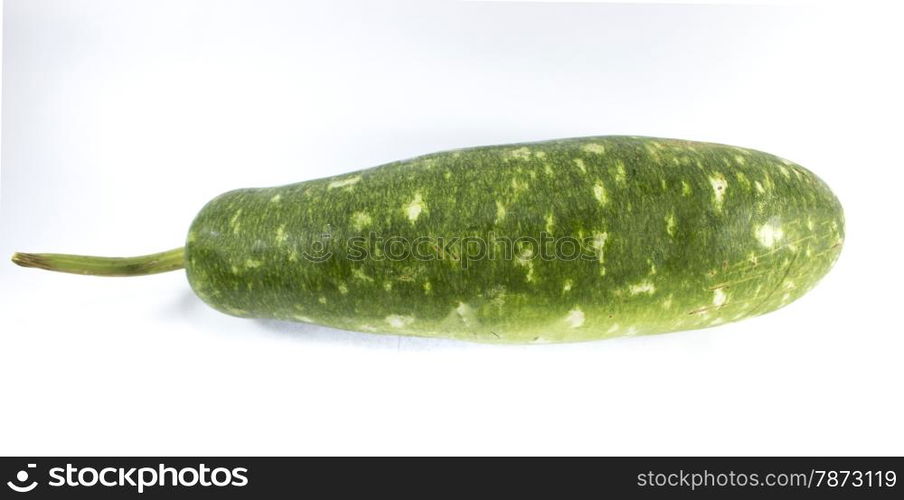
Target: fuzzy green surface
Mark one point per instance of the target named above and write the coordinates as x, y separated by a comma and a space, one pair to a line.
673, 235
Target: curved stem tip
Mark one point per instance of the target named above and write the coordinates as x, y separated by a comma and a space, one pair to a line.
162, 262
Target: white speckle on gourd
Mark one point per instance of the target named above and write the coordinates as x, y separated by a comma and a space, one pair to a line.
519, 186
769, 233
594, 148
719, 297
720, 185
599, 192
350, 181
466, 314
620, 173
500, 211
575, 318
566, 285
275, 198
359, 274
530, 272
361, 220
643, 287
497, 296
521, 153
580, 164
414, 208
524, 256
667, 303
234, 221
399, 320
598, 243
670, 224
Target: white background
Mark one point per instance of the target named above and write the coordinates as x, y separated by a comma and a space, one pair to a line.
121, 119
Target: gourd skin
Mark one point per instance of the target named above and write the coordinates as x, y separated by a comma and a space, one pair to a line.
672, 235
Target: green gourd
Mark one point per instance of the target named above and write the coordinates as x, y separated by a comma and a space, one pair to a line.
555, 241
